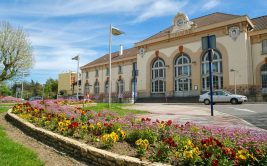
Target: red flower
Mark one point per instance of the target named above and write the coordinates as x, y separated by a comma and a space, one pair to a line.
159, 152
108, 124
215, 162
207, 154
169, 122
176, 126
148, 119
143, 119
171, 142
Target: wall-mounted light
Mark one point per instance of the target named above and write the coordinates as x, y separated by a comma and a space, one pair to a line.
167, 65
194, 62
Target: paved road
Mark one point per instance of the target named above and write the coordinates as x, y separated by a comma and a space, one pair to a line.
255, 114
196, 113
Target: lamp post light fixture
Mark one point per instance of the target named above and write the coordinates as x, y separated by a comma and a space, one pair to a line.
233, 70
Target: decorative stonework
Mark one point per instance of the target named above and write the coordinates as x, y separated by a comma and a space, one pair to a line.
80, 151
181, 22
234, 32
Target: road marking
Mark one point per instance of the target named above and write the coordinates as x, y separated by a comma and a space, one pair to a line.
240, 109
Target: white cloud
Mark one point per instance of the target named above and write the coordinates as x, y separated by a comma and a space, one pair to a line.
161, 8
211, 4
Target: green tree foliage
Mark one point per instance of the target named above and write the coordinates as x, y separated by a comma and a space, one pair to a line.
4, 90
51, 88
15, 52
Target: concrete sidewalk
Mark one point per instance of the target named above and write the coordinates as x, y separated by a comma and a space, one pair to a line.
197, 114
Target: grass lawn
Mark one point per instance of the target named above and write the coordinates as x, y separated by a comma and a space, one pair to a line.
7, 104
117, 107
3, 109
14, 154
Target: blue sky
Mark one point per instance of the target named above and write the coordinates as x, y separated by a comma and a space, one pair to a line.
61, 29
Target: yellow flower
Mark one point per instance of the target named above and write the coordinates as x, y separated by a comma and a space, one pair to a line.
142, 143
196, 151
91, 126
60, 124
242, 157
123, 134
119, 129
138, 142
84, 126
114, 137
188, 154
98, 125
252, 157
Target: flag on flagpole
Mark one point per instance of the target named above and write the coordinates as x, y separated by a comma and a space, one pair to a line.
76, 57
116, 31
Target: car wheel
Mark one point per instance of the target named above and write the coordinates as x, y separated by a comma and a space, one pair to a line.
206, 102
234, 101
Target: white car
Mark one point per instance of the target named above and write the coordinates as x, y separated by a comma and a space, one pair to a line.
222, 96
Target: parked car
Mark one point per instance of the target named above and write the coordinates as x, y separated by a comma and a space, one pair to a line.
222, 96
35, 98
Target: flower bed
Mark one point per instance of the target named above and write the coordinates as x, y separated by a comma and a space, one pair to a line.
10, 99
161, 141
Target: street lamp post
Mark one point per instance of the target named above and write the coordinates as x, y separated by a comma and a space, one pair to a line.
112, 31
23, 74
77, 58
233, 70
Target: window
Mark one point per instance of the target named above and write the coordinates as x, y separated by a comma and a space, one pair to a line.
120, 88
96, 88
107, 71
86, 74
86, 88
96, 72
205, 42
264, 77
264, 46
120, 69
217, 69
107, 87
182, 67
158, 76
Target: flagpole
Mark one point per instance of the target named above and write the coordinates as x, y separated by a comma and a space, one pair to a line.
110, 41
78, 77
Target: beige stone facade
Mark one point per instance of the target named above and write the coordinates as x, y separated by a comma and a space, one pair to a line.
67, 83
173, 62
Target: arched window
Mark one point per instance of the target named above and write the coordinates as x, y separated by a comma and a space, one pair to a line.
158, 76
107, 86
264, 77
96, 88
120, 88
86, 88
182, 74
217, 71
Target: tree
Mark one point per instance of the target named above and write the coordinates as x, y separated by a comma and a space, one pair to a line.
51, 88
4, 90
15, 52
